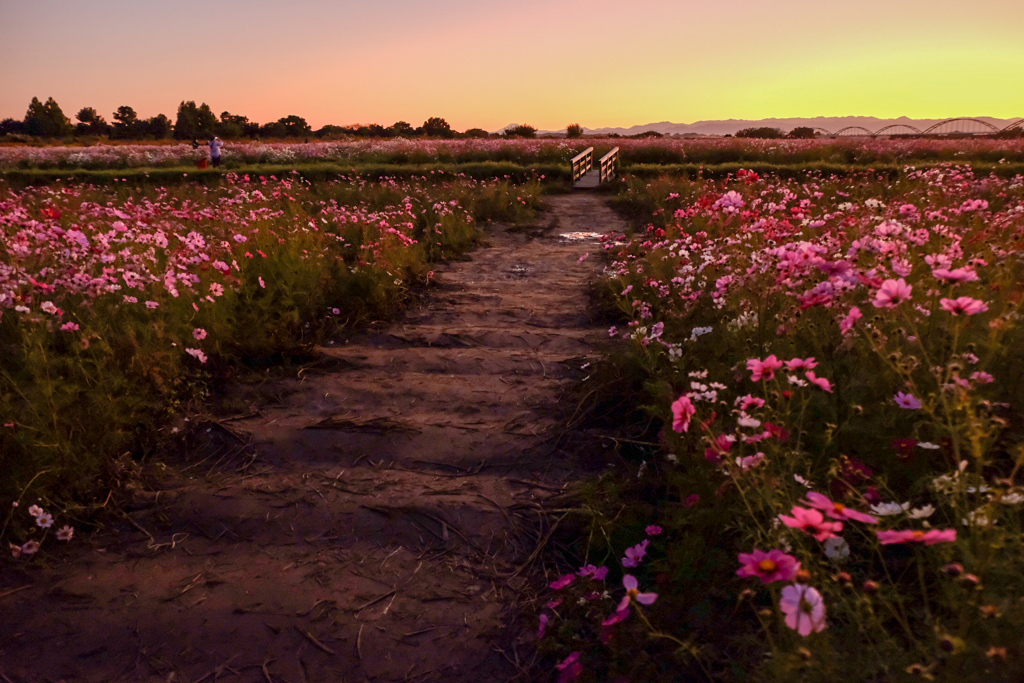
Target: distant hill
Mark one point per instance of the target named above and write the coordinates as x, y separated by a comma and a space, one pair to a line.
731, 126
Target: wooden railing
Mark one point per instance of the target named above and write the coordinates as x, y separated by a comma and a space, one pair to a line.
610, 165
582, 163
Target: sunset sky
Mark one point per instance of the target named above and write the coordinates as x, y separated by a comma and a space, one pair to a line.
547, 63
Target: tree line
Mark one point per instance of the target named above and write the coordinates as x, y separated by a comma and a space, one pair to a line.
199, 122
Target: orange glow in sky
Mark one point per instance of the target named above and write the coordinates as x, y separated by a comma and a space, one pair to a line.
546, 63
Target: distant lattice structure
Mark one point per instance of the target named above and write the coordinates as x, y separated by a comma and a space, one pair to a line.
950, 127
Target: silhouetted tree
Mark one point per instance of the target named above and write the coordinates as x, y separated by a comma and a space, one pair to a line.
158, 127
194, 122
330, 131
477, 133
12, 126
232, 125
436, 128
574, 130
402, 129
295, 126
802, 132
763, 132
126, 124
520, 131
90, 122
46, 120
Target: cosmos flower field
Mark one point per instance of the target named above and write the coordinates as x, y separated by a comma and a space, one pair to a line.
118, 302
837, 365
655, 151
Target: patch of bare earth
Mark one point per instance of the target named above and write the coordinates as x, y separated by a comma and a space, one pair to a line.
388, 517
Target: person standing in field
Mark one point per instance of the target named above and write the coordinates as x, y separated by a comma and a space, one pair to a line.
215, 145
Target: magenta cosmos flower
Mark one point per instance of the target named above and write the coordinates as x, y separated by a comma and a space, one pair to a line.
813, 522
682, 411
892, 293
963, 304
847, 323
559, 584
819, 382
907, 401
916, 536
837, 510
804, 609
569, 668
633, 594
773, 565
635, 554
957, 275
764, 369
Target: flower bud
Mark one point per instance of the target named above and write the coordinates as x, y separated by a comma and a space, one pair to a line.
803, 576
871, 587
844, 579
953, 570
969, 581
996, 653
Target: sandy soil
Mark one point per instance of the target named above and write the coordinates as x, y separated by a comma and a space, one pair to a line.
374, 518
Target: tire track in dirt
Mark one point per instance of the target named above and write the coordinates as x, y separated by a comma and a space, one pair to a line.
380, 531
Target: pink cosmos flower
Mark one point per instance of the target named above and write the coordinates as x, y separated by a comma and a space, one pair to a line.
797, 363
957, 275
65, 533
750, 461
633, 594
635, 554
596, 573
691, 500
813, 522
747, 402
197, 354
653, 530
773, 565
963, 304
543, 627
69, 327
804, 609
847, 323
562, 582
618, 617
569, 668
892, 293
764, 369
820, 382
837, 510
263, 284
907, 401
982, 377
682, 411
916, 536
29, 548
199, 333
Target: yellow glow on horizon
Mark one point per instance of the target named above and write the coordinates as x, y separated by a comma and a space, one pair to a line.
545, 63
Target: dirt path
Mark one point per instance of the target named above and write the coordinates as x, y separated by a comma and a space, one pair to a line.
380, 531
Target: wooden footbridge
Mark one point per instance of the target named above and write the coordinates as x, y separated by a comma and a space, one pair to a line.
587, 176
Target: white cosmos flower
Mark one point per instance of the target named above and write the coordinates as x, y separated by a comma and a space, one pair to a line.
928, 446
923, 512
887, 509
1012, 498
836, 548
